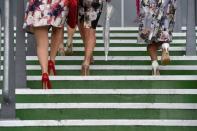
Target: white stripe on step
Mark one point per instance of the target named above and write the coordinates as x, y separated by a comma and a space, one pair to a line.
114, 67
106, 91
188, 106
117, 58
119, 28
122, 41
185, 28
122, 49
120, 78
96, 122
122, 34
127, 49
118, 34
116, 78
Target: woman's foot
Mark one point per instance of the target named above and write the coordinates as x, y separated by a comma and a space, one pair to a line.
46, 84
61, 52
92, 60
69, 48
51, 68
155, 68
165, 58
85, 70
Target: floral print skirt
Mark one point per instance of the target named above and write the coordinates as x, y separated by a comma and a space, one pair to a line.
89, 12
156, 21
46, 13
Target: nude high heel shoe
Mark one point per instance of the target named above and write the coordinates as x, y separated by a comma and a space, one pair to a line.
69, 47
155, 68
85, 70
61, 52
165, 58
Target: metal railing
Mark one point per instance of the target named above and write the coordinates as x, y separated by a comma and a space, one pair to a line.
8, 90
0, 44
191, 32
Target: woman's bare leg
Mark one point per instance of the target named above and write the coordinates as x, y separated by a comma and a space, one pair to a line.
41, 34
56, 40
90, 42
89, 39
82, 33
69, 46
71, 32
152, 49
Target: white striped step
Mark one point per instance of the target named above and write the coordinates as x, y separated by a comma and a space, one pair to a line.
118, 78
106, 91
123, 41
119, 41
183, 106
122, 34
96, 122
128, 48
113, 34
116, 58
115, 67
122, 48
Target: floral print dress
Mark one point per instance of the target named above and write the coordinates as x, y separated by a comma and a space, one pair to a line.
156, 20
89, 12
46, 13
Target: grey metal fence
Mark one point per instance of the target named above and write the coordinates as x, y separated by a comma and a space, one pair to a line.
0, 47
8, 90
191, 32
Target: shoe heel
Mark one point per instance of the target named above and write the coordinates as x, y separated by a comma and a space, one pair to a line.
69, 48
46, 84
51, 68
155, 68
92, 60
61, 52
85, 70
165, 58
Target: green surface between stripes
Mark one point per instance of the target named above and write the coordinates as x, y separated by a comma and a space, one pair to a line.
117, 72
60, 114
137, 84
101, 128
93, 98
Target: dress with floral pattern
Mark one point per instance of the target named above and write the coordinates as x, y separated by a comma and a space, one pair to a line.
46, 13
157, 19
89, 12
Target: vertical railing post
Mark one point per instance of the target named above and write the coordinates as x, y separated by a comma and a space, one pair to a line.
0, 40
8, 91
179, 11
191, 33
20, 55
122, 13
196, 12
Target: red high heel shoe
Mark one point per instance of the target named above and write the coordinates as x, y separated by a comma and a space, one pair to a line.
51, 68
46, 84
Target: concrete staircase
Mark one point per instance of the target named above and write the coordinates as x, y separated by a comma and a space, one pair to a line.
120, 94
